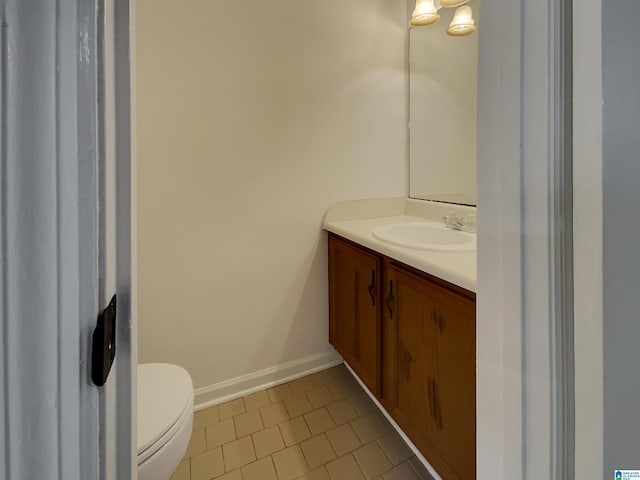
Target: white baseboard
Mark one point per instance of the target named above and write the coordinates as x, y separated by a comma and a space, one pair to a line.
269, 377
409, 443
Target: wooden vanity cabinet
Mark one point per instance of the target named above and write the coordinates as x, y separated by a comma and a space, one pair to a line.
429, 368
411, 338
354, 308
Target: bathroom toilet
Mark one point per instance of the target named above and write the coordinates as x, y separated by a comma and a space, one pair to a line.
165, 418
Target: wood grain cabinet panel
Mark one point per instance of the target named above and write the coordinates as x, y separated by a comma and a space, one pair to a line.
433, 396
410, 337
354, 319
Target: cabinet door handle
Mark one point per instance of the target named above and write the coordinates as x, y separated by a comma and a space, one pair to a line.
372, 287
390, 299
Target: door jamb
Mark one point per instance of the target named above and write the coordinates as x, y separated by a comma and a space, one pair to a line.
525, 269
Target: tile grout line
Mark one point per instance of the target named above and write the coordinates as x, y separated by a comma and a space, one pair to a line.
331, 384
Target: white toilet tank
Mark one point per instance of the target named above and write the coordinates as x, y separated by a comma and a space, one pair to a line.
165, 418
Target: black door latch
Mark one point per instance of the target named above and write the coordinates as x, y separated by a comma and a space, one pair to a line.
103, 349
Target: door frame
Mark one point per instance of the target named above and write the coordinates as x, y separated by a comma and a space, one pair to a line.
56, 146
499, 331
588, 239
539, 400
117, 227
48, 239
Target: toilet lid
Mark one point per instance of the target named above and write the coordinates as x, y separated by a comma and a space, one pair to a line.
165, 396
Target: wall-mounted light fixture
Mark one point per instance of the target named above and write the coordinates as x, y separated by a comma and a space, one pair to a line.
462, 23
426, 13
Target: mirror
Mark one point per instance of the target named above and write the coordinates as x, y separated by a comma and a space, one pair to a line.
443, 73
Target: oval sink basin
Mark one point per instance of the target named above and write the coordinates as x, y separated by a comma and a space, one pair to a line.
426, 236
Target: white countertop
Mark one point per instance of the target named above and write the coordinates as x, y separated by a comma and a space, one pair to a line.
458, 268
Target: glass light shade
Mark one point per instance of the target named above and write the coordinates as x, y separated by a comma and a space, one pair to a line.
425, 13
452, 3
462, 23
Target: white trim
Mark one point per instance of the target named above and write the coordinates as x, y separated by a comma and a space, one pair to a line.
499, 395
48, 240
536, 253
126, 406
517, 423
118, 405
397, 428
133, 265
547, 234
587, 205
107, 287
269, 377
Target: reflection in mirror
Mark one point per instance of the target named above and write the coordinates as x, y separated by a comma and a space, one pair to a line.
443, 107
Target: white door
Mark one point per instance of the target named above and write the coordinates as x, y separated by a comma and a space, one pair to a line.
65, 239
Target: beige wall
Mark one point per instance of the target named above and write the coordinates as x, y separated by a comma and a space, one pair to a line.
254, 117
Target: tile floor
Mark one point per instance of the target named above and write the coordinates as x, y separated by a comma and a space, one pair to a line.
320, 427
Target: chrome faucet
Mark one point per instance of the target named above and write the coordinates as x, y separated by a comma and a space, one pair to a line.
465, 223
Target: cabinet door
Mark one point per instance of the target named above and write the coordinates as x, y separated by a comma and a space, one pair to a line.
455, 379
354, 284
433, 350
